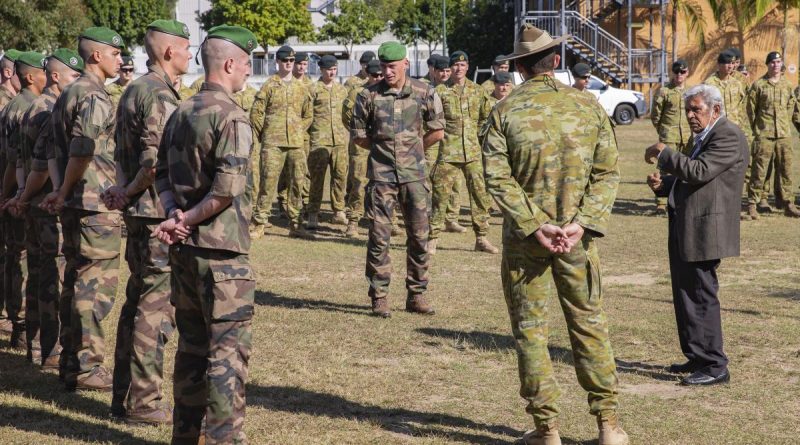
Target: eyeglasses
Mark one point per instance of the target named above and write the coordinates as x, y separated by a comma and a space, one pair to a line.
127, 70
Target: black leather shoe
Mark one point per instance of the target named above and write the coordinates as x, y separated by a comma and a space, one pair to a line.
701, 379
683, 368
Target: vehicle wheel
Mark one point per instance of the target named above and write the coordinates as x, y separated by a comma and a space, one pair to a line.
624, 114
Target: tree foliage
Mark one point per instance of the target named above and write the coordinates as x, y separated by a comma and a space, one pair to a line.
741, 15
483, 32
273, 21
42, 25
427, 15
129, 17
357, 23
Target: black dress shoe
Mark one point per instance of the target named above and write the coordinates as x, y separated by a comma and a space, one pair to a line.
701, 379
683, 368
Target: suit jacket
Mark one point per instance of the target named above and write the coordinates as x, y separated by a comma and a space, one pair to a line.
707, 193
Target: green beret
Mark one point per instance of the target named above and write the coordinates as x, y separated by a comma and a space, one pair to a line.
327, 62
69, 58
391, 52
301, 57
373, 66
581, 70
104, 35
173, 27
502, 77
31, 58
284, 52
458, 56
12, 54
440, 62
241, 37
366, 57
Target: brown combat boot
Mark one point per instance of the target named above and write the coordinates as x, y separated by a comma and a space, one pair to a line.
298, 231
454, 227
418, 304
313, 221
791, 211
160, 415
256, 231
751, 214
98, 379
763, 206
380, 307
432, 246
352, 229
19, 340
482, 244
611, 433
339, 218
542, 435
51, 362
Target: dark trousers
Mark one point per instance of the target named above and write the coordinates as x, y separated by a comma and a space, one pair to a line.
694, 295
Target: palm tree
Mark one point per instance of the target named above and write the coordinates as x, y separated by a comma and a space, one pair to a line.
786, 6
741, 14
696, 23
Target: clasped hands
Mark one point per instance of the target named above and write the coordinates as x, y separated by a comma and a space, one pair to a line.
558, 239
174, 229
15, 206
651, 153
115, 197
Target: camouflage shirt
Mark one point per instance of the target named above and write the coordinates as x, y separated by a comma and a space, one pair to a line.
349, 105
37, 130
326, 126
143, 112
356, 82
244, 98
281, 112
774, 108
668, 115
11, 134
734, 97
395, 121
206, 151
83, 126
5, 98
550, 156
115, 91
466, 108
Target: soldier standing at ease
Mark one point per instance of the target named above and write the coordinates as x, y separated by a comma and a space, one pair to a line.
774, 107
500, 65
466, 107
396, 119
549, 231
201, 178
328, 144
362, 77
668, 115
147, 318
281, 114
117, 87
83, 127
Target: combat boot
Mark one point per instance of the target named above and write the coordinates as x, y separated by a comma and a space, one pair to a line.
6, 327
763, 206
160, 415
432, 246
418, 304
313, 221
98, 379
482, 244
256, 231
791, 211
19, 339
752, 213
454, 227
298, 231
352, 229
542, 435
51, 362
380, 307
611, 433
339, 218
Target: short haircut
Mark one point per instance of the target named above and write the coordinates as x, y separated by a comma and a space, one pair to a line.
214, 52
710, 95
541, 62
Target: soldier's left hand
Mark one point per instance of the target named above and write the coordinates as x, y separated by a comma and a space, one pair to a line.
652, 152
52, 203
574, 234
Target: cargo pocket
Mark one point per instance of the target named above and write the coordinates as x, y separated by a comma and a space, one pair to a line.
100, 236
234, 290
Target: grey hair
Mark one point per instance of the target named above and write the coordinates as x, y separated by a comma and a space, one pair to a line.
710, 95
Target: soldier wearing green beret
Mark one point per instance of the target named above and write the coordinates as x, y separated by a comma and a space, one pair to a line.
45, 261
466, 107
396, 119
500, 64
201, 178
83, 128
29, 67
117, 87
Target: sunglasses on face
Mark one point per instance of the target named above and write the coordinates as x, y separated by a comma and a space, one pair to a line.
376, 75
127, 70
287, 60
586, 77
681, 71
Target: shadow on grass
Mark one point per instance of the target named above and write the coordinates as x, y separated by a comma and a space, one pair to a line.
266, 298
734, 310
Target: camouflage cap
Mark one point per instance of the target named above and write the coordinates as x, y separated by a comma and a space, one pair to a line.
241, 37
581, 70
70, 58
391, 52
440, 62
366, 57
773, 55
301, 56
502, 77
374, 66
172, 27
284, 52
458, 56
327, 62
33, 59
104, 35
12, 54
726, 57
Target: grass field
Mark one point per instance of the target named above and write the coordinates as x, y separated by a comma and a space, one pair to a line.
325, 372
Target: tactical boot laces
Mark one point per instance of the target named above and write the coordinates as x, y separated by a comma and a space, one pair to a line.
482, 244
454, 227
161, 414
432, 246
340, 218
380, 307
313, 221
418, 304
611, 433
352, 229
791, 211
98, 379
542, 435
763, 206
298, 231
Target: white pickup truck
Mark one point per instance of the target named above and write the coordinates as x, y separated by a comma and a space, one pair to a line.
621, 105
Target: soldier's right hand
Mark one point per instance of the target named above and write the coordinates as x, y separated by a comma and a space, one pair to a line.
553, 238
52, 203
654, 181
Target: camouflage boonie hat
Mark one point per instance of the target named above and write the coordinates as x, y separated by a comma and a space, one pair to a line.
12, 54
284, 52
458, 56
33, 59
104, 35
241, 37
173, 27
391, 52
70, 58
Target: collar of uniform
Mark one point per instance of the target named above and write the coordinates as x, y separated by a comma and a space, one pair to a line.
545, 79
27, 94
208, 86
403, 91
162, 75
766, 77
92, 77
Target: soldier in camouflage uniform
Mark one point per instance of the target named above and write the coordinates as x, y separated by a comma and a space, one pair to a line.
774, 108
550, 230
83, 126
362, 77
396, 118
668, 115
43, 231
147, 319
30, 71
466, 107
502, 86
500, 65
201, 177
328, 143
117, 87
280, 116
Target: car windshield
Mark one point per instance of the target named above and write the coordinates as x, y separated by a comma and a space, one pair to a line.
595, 84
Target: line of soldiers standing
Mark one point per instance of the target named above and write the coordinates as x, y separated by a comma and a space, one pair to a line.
765, 111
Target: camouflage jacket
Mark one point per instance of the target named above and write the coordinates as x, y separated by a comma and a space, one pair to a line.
326, 126
143, 111
37, 131
205, 151
357, 81
466, 108
281, 112
668, 115
395, 121
5, 98
550, 156
244, 98
83, 126
348, 106
774, 108
11, 129
734, 97
115, 91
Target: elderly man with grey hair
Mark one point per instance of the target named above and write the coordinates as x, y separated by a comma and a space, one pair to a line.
704, 191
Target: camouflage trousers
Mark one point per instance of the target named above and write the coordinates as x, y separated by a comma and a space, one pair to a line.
146, 321
274, 160
16, 273
780, 152
45, 260
445, 174
319, 160
356, 182
3, 310
454, 202
91, 250
213, 293
412, 200
681, 147
526, 286
283, 181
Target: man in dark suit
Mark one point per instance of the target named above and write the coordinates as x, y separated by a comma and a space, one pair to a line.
704, 190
